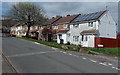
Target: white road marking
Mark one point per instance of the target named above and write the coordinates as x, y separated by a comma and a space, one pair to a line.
64, 52
74, 55
36, 42
113, 67
84, 58
109, 64
117, 68
27, 54
103, 64
70, 54
61, 51
93, 61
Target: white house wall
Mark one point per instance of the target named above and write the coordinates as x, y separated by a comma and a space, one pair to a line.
107, 26
77, 31
64, 37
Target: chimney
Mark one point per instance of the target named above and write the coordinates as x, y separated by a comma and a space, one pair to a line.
53, 17
68, 15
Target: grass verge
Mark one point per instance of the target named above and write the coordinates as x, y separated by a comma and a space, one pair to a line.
108, 51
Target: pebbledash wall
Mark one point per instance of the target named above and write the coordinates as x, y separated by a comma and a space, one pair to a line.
107, 42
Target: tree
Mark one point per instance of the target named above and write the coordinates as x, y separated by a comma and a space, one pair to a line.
27, 13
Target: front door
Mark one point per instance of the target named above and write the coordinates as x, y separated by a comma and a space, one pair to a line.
84, 41
49, 37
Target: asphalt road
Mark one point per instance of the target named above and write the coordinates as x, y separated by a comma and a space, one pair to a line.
29, 57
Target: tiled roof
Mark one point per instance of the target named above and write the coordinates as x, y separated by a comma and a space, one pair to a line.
52, 20
89, 17
89, 31
66, 19
62, 31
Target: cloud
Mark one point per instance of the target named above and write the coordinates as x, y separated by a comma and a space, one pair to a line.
65, 8
60, 0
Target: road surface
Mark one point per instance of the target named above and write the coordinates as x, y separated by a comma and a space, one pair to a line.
29, 57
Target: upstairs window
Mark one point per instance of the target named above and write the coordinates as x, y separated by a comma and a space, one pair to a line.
30, 28
75, 25
90, 24
48, 26
55, 27
36, 27
64, 25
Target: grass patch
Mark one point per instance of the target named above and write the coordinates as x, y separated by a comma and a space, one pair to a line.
52, 44
108, 51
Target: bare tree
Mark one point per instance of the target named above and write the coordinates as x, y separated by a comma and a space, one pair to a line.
28, 13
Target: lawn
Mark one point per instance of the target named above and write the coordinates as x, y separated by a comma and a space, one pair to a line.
108, 51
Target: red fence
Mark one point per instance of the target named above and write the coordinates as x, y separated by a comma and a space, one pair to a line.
107, 42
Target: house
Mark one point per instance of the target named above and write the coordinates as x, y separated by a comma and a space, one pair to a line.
45, 30
61, 26
19, 30
85, 29
34, 31
13, 30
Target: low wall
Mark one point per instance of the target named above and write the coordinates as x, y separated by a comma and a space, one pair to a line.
107, 42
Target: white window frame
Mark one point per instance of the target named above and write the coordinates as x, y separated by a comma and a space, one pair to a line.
90, 24
75, 38
65, 25
31, 28
36, 27
75, 26
54, 37
55, 27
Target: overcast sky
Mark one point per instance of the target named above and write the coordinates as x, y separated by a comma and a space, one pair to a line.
64, 8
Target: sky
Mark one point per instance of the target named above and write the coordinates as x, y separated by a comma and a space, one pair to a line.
64, 8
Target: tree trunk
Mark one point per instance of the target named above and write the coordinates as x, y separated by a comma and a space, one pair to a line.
27, 34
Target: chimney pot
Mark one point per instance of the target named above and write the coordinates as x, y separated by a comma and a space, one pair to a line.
68, 15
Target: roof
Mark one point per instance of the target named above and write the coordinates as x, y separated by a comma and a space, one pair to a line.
66, 19
89, 31
89, 17
52, 20
62, 31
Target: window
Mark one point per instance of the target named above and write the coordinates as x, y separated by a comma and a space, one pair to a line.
76, 38
75, 25
55, 27
48, 26
55, 37
90, 24
64, 25
30, 28
41, 27
68, 35
60, 36
36, 27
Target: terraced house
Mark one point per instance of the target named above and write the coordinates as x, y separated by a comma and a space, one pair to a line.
45, 30
87, 29
97, 29
61, 26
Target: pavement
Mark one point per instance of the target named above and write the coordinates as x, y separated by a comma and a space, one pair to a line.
31, 57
